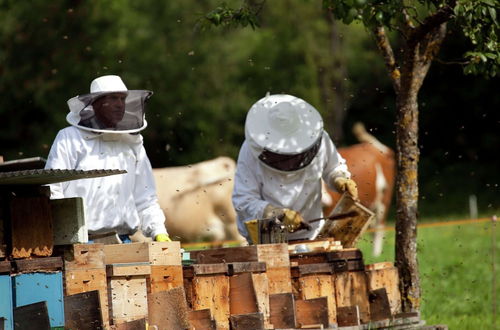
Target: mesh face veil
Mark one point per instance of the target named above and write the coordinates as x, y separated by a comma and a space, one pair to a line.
289, 163
109, 108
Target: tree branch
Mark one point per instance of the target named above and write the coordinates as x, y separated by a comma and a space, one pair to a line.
385, 48
442, 15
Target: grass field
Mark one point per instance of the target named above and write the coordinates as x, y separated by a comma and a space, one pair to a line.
456, 273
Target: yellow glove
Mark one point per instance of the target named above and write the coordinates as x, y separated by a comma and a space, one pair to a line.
346, 185
292, 220
252, 228
162, 238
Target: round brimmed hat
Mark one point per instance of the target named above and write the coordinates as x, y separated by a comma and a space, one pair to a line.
283, 124
81, 110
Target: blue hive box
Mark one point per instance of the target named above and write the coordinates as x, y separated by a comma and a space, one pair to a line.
35, 287
6, 303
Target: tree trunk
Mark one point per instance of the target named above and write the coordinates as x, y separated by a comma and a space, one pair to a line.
407, 154
416, 60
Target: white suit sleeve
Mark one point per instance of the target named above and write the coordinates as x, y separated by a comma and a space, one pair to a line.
247, 199
336, 165
146, 200
61, 156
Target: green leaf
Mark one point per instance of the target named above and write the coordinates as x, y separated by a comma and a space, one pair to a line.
493, 14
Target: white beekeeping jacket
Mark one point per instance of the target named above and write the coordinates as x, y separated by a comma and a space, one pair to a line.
257, 185
122, 203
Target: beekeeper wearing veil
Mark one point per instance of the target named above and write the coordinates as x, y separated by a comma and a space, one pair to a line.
104, 134
285, 155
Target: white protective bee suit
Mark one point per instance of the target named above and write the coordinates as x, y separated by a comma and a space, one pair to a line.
280, 125
119, 203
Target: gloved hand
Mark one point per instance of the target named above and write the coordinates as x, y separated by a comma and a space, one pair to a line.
292, 220
346, 185
271, 211
162, 238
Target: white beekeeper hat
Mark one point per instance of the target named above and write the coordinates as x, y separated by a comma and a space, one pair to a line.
284, 131
81, 109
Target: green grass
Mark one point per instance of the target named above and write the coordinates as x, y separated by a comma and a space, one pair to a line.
456, 273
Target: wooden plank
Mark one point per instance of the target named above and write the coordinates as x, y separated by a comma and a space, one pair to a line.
348, 230
31, 227
225, 255
168, 309
164, 278
274, 255
86, 280
312, 312
83, 311
5, 267
69, 221
28, 315
282, 308
82, 256
212, 292
351, 290
127, 298
348, 316
327, 268
385, 275
244, 267
201, 320
323, 257
205, 269
3, 247
139, 324
280, 280
320, 245
254, 321
38, 264
242, 296
128, 269
261, 288
380, 265
317, 286
379, 305
156, 253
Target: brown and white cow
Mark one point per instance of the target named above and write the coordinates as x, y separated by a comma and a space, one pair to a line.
196, 200
372, 166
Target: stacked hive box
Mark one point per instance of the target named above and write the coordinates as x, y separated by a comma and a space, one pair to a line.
271, 286
239, 284
137, 270
85, 271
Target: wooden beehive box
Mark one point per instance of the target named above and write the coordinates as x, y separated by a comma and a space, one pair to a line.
275, 256
385, 275
314, 277
234, 292
29, 288
85, 271
127, 291
155, 253
164, 259
6, 303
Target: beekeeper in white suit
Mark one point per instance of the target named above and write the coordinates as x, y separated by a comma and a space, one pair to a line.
104, 134
285, 155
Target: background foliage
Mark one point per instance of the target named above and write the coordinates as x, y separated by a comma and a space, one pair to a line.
205, 81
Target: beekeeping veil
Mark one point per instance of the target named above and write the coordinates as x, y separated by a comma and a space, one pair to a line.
284, 132
130, 117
